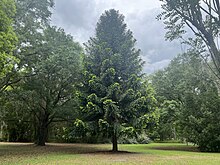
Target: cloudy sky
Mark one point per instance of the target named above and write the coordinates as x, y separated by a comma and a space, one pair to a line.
79, 18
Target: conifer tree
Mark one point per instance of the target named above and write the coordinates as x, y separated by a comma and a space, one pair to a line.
116, 98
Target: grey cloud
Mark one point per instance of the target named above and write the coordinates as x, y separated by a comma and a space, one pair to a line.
79, 18
150, 36
76, 13
76, 17
151, 68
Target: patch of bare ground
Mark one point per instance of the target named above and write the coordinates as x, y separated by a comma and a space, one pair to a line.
25, 148
88, 153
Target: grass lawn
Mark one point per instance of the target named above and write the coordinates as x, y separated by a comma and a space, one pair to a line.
78, 154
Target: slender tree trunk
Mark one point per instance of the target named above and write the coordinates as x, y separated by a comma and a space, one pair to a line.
174, 133
114, 142
2, 130
161, 137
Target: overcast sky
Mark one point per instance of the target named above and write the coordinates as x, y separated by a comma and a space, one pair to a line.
79, 18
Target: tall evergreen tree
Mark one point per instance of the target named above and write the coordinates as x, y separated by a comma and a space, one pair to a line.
116, 98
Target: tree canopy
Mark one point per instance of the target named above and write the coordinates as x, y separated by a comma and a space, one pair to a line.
202, 17
189, 97
8, 41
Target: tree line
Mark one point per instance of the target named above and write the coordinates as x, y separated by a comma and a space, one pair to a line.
52, 88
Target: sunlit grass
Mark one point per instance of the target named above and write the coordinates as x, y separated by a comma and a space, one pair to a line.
66, 154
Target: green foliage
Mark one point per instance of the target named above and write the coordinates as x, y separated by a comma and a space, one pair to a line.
127, 138
78, 130
15, 121
47, 91
198, 120
31, 19
168, 123
201, 17
55, 74
115, 93
8, 41
192, 111
20, 57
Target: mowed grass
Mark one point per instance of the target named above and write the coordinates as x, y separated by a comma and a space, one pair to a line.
78, 154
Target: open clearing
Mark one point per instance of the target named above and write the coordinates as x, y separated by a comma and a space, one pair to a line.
91, 154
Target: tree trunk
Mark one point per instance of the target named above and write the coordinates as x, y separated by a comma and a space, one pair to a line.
174, 133
41, 136
42, 130
114, 142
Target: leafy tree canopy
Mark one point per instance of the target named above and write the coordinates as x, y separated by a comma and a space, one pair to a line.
193, 93
8, 41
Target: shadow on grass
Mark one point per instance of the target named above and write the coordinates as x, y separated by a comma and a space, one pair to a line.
28, 149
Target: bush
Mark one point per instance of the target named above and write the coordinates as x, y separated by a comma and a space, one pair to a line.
139, 139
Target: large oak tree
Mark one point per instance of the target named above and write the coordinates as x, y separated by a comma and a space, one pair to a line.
54, 77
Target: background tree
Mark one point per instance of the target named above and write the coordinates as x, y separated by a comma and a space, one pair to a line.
18, 53
202, 17
31, 18
188, 82
54, 77
116, 97
168, 122
16, 123
8, 41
